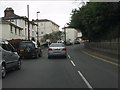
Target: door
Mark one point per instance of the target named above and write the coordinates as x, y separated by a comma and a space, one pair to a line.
6, 55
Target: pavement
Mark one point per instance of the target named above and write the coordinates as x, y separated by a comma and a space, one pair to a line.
103, 56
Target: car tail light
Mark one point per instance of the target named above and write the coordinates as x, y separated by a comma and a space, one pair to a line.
64, 49
49, 49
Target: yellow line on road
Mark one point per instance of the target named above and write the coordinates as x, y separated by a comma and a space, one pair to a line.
116, 64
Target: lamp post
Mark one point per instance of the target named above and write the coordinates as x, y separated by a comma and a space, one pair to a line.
28, 22
37, 27
65, 31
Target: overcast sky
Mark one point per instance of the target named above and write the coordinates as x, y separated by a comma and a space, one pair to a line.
57, 11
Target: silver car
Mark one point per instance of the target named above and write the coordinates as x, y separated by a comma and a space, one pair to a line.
9, 57
57, 49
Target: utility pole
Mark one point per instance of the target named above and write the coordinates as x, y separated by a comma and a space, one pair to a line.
65, 32
37, 27
28, 22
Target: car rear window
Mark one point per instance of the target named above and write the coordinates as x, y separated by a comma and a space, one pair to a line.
26, 44
57, 45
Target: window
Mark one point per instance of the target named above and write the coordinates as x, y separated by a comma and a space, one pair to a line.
15, 31
4, 47
41, 24
7, 47
19, 32
25, 22
10, 47
11, 29
25, 31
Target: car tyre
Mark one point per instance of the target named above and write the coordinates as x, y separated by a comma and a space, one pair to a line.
3, 71
40, 54
37, 56
65, 56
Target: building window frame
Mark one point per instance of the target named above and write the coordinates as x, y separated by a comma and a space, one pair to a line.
19, 32
11, 28
15, 31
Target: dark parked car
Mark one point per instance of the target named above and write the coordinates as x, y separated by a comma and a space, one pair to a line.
9, 57
29, 49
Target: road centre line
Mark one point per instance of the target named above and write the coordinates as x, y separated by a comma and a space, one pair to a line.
87, 83
100, 58
69, 56
72, 63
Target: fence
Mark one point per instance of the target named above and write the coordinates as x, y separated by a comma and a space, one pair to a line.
110, 49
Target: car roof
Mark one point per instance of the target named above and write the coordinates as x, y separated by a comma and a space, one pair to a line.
26, 41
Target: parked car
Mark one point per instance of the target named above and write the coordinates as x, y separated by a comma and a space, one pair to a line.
9, 56
28, 49
60, 41
68, 42
57, 49
76, 42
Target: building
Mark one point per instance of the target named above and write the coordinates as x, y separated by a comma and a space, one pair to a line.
10, 31
72, 34
21, 22
46, 26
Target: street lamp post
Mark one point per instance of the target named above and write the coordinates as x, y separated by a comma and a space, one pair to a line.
37, 27
65, 32
28, 23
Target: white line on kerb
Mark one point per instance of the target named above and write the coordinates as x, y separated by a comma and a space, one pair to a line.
89, 86
72, 63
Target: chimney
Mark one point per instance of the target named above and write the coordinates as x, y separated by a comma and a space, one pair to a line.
9, 12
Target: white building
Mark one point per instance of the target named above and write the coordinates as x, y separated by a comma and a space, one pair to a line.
17, 21
72, 34
10, 31
33, 30
46, 26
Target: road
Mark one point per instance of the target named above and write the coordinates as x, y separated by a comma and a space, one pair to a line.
78, 70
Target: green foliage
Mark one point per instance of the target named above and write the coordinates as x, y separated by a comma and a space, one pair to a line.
97, 21
52, 36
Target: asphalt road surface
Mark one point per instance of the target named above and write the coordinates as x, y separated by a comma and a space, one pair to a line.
78, 70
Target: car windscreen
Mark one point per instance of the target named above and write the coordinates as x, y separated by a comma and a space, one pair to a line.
57, 45
26, 44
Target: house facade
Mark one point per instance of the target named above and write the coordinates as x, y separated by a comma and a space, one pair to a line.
72, 34
46, 26
17, 26
10, 31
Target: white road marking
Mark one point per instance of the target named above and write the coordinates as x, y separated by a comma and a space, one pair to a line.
69, 56
101, 59
89, 86
72, 63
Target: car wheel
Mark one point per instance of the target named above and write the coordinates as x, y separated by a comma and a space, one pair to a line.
36, 56
3, 71
18, 65
65, 56
40, 54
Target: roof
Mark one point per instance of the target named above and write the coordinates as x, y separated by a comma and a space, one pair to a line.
45, 20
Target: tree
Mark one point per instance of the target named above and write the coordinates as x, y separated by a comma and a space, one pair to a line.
52, 36
97, 21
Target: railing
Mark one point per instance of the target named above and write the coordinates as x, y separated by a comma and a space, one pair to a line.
108, 48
